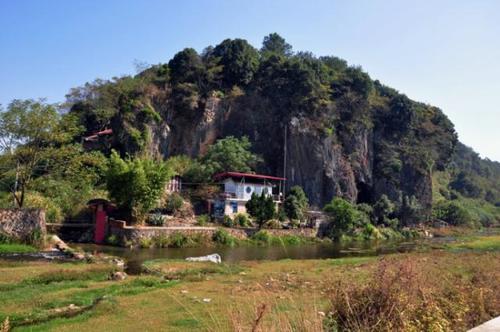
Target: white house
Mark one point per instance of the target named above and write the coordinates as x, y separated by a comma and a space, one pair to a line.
238, 189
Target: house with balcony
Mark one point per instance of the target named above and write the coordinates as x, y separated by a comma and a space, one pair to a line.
237, 189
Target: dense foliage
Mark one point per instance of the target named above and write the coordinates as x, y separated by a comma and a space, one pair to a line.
230, 154
296, 204
41, 164
227, 109
136, 184
261, 208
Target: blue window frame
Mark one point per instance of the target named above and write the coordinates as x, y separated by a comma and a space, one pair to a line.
234, 206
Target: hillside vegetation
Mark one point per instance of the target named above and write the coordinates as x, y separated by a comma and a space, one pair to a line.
347, 135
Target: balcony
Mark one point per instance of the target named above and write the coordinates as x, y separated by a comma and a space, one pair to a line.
233, 195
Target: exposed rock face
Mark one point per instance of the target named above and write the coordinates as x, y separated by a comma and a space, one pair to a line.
349, 144
23, 224
318, 165
350, 164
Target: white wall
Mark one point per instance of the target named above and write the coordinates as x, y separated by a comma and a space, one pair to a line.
240, 189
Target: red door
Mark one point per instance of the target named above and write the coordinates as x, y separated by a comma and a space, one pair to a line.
100, 224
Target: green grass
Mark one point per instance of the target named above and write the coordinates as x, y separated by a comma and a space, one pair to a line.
293, 290
484, 243
186, 323
16, 248
351, 260
173, 269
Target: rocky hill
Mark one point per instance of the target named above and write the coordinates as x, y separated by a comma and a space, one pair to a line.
346, 134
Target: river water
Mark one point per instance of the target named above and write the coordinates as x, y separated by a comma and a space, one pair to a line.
136, 257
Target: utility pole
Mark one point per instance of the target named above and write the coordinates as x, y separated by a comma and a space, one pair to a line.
284, 162
15, 183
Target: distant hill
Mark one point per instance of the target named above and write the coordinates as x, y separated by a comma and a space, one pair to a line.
347, 135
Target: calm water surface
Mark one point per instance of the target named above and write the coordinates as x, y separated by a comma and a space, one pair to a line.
136, 257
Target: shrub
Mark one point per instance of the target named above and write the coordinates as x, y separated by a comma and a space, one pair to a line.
292, 240
242, 220
202, 220
389, 233
156, 220
112, 240
5, 239
228, 222
221, 236
174, 203
145, 242
371, 232
161, 241
178, 240
262, 236
452, 212
272, 224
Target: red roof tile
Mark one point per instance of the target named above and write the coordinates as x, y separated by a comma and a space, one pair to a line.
226, 175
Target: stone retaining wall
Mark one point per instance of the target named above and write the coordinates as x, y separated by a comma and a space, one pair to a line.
23, 225
133, 234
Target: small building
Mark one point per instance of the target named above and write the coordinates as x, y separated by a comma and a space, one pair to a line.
238, 189
174, 185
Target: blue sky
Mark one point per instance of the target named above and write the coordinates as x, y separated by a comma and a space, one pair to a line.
446, 53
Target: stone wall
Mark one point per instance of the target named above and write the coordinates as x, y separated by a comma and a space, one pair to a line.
23, 225
134, 234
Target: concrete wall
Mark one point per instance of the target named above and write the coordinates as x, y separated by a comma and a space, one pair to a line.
22, 224
134, 234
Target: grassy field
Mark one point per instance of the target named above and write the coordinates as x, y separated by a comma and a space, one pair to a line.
433, 290
487, 243
16, 248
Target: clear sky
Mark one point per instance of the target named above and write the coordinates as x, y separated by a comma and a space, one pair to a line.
446, 53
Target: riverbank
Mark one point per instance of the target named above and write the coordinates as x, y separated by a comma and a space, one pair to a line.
460, 287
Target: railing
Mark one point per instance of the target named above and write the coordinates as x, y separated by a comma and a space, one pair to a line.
276, 198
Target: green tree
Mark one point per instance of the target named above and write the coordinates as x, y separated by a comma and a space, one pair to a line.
30, 134
383, 210
343, 217
230, 154
136, 184
261, 208
452, 212
186, 67
296, 203
275, 44
73, 177
239, 60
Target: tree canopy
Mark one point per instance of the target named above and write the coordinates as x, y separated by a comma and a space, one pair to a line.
230, 154
296, 204
261, 208
136, 184
275, 44
239, 59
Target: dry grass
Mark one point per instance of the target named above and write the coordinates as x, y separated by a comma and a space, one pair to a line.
420, 293
433, 290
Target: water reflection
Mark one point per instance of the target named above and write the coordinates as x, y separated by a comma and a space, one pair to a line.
135, 257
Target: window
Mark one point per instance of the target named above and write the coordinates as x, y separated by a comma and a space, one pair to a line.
234, 207
265, 190
248, 189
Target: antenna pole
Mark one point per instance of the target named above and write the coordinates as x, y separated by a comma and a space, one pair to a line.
284, 162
